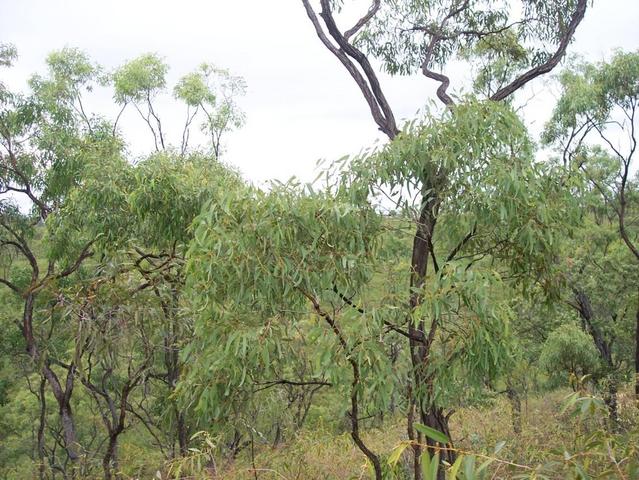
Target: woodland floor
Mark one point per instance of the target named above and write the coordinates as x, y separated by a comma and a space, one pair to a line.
318, 453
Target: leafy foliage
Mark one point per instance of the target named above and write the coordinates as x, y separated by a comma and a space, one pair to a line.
165, 318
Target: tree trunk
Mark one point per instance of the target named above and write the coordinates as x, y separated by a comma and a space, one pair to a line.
182, 431
637, 358
420, 341
610, 400
414, 436
434, 418
62, 396
354, 413
174, 370
110, 462
42, 424
68, 430
515, 403
605, 351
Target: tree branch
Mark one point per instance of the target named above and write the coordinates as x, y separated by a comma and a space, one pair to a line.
369, 86
552, 62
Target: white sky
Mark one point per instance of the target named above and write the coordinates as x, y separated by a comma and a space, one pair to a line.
301, 104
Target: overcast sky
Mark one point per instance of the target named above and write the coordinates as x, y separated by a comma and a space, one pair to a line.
301, 104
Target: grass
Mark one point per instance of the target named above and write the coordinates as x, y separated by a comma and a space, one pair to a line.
318, 453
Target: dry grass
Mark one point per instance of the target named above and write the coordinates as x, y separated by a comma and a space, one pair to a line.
320, 454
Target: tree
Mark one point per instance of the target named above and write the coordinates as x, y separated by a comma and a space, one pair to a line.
569, 350
146, 211
86, 198
599, 102
213, 91
417, 35
45, 137
138, 82
208, 91
283, 251
292, 251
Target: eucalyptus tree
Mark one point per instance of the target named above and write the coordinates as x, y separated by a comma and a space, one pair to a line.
208, 92
601, 278
292, 253
8, 54
137, 83
214, 92
569, 350
45, 137
495, 209
514, 44
594, 126
55, 156
260, 263
141, 220
114, 348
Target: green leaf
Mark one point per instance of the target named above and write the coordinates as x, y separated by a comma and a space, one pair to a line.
395, 455
432, 433
452, 473
426, 466
434, 466
484, 465
469, 468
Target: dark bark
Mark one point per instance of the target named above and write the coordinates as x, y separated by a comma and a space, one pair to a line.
353, 60
515, 403
610, 399
41, 425
604, 347
182, 433
68, 430
552, 62
236, 445
355, 385
60, 393
109, 461
174, 370
587, 315
115, 426
421, 341
414, 436
637, 357
435, 418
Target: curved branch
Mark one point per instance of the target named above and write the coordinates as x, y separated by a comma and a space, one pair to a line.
364, 20
11, 286
355, 385
346, 53
552, 62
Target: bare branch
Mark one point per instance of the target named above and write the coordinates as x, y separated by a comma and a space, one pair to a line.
552, 62
369, 86
266, 385
364, 20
